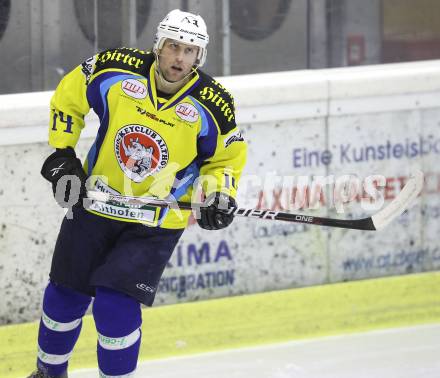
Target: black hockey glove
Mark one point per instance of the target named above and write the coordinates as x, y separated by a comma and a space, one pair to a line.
213, 214
61, 163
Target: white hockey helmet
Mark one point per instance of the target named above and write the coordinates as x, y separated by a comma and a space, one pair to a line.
185, 27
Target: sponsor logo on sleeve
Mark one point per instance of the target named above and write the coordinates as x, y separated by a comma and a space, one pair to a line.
87, 68
134, 88
234, 137
187, 112
216, 97
140, 151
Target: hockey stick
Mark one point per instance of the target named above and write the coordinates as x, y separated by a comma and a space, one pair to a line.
373, 223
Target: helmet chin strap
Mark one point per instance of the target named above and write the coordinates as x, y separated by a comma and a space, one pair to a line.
169, 87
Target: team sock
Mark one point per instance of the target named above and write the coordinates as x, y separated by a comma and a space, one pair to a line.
118, 320
60, 326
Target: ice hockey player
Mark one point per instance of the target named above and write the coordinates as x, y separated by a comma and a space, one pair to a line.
163, 124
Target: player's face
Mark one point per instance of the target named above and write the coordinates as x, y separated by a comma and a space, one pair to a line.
176, 59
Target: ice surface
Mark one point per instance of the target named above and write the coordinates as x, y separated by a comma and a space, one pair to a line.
394, 353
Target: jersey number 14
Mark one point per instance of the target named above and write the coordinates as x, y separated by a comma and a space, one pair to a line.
66, 119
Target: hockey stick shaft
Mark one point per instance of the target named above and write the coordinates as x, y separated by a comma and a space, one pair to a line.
379, 220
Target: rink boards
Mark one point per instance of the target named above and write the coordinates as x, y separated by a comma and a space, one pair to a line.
381, 120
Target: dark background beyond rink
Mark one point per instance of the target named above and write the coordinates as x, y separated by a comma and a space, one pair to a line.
42, 40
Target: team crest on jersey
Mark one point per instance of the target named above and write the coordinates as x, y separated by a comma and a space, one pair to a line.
140, 151
134, 88
187, 112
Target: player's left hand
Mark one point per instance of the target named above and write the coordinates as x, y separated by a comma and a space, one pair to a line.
213, 214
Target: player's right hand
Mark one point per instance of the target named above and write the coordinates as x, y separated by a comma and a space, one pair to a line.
64, 170
213, 214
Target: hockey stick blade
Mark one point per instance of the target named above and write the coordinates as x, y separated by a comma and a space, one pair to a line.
376, 222
401, 203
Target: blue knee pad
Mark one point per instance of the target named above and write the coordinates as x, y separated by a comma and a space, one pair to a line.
118, 320
116, 314
64, 304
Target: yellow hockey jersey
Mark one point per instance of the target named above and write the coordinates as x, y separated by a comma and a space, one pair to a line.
147, 145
